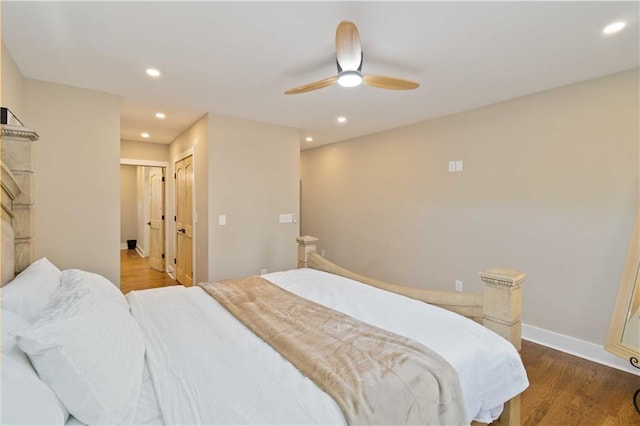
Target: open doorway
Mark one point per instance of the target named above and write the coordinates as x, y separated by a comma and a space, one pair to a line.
143, 227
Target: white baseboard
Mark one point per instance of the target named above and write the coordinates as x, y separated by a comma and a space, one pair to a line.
140, 251
577, 347
123, 246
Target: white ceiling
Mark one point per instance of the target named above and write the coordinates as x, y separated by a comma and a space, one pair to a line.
237, 58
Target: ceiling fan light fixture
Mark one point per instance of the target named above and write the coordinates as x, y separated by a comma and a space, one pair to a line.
349, 59
349, 79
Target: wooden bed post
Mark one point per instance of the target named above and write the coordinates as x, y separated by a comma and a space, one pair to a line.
502, 310
502, 303
306, 245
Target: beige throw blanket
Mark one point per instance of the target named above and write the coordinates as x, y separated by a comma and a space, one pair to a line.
375, 376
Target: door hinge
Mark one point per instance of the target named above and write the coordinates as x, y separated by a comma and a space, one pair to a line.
175, 176
162, 217
163, 178
175, 261
163, 255
175, 218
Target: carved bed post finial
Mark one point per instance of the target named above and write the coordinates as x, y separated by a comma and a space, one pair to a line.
306, 245
502, 302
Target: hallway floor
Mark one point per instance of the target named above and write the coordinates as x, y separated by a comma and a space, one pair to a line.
136, 274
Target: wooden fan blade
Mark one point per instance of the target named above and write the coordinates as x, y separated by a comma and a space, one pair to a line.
383, 82
312, 86
348, 49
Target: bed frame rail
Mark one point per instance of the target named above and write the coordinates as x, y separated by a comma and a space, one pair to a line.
498, 308
467, 304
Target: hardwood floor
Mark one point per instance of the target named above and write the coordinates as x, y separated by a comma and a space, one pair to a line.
563, 390
136, 274
567, 390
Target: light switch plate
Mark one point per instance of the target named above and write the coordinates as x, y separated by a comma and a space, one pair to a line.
458, 165
222, 219
286, 218
452, 166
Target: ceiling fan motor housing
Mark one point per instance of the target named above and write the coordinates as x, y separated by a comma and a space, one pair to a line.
340, 70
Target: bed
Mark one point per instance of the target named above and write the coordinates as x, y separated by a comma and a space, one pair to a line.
76, 351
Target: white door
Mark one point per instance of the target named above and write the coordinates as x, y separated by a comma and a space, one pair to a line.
156, 218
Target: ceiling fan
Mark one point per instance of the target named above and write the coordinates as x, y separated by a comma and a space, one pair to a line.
349, 60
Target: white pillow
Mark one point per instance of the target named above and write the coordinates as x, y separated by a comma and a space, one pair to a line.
25, 398
101, 286
11, 322
87, 347
29, 293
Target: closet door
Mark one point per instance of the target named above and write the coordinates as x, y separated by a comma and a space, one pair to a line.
184, 221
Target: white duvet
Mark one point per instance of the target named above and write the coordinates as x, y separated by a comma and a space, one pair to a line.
208, 368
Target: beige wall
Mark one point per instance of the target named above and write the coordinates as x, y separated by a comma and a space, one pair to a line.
250, 172
196, 138
128, 203
549, 187
12, 86
77, 182
253, 177
135, 150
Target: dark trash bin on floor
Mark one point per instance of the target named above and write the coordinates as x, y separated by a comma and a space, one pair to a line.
131, 244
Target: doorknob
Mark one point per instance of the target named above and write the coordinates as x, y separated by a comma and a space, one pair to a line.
182, 230
149, 223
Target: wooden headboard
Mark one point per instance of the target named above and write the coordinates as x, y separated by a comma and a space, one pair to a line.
10, 190
17, 200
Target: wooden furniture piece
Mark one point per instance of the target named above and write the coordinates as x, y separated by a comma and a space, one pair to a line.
17, 198
624, 335
498, 308
10, 191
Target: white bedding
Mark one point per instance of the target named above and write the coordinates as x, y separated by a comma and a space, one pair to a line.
208, 368
147, 413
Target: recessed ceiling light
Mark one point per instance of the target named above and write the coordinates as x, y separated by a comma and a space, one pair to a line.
152, 72
160, 115
614, 28
342, 119
144, 134
308, 139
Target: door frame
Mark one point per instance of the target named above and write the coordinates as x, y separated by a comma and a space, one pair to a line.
165, 165
194, 212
